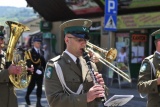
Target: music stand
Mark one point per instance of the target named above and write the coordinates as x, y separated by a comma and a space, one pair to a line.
118, 100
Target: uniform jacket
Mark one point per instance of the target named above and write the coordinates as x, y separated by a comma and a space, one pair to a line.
7, 94
54, 92
147, 82
35, 57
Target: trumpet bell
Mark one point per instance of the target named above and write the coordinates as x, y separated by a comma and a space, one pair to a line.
111, 55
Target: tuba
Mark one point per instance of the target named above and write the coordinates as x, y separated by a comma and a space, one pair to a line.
13, 56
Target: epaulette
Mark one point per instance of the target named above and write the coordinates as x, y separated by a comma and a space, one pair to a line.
55, 59
149, 57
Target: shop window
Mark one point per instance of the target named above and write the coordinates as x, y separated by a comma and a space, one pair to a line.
138, 47
122, 44
94, 35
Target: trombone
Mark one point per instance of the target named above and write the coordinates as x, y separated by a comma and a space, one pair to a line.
109, 57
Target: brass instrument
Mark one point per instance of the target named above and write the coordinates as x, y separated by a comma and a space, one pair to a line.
13, 57
109, 56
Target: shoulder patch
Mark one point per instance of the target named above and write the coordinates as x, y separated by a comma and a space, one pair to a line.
48, 72
143, 67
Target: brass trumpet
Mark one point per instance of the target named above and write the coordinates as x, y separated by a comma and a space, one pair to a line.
109, 56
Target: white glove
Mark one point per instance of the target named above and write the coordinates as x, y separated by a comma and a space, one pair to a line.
39, 72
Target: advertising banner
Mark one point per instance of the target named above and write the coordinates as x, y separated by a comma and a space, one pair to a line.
145, 20
124, 4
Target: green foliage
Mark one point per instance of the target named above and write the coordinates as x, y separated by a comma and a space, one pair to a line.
15, 14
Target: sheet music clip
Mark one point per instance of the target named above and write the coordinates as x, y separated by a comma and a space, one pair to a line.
118, 100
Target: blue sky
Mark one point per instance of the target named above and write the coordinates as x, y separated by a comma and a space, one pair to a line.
14, 3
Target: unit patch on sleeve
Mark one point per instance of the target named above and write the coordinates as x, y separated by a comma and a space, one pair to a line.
48, 72
143, 67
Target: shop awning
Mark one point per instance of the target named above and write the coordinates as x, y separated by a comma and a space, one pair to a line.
60, 10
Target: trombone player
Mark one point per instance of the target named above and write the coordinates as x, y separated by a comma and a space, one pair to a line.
7, 94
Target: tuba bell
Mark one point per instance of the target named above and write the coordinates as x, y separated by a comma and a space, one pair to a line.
13, 56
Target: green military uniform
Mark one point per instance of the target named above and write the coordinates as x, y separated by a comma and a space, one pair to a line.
57, 95
7, 94
149, 72
72, 75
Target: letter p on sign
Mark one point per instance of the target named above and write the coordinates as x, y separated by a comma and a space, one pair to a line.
111, 7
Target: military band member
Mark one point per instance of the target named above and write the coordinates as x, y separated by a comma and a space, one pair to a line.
38, 62
7, 93
149, 75
67, 84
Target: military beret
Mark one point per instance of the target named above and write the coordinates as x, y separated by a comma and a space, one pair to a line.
77, 27
156, 34
1, 32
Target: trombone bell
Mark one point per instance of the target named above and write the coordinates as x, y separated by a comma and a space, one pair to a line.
109, 57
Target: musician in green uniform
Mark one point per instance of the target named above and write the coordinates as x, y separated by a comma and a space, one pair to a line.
7, 93
67, 82
149, 75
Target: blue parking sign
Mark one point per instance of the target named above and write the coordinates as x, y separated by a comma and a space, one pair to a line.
111, 6
110, 23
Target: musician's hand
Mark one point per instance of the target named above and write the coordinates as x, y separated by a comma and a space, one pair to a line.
99, 78
96, 91
13, 69
31, 69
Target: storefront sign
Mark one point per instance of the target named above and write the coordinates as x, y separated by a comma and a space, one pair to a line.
145, 20
139, 38
137, 3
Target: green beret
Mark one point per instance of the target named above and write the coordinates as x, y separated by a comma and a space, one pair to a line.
156, 34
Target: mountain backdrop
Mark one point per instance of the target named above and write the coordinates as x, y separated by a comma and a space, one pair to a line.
16, 14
